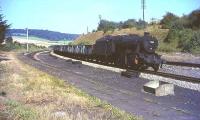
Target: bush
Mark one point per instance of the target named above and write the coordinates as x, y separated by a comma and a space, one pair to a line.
191, 21
171, 36
184, 31
20, 47
194, 19
185, 37
129, 23
195, 42
168, 47
107, 25
180, 24
168, 20
187, 40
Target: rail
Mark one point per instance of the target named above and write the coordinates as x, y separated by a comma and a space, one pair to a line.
167, 75
186, 64
173, 76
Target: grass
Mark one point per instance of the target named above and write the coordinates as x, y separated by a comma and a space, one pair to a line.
20, 111
17, 47
90, 38
33, 94
154, 30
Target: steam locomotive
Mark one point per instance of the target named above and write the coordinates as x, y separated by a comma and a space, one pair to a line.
125, 51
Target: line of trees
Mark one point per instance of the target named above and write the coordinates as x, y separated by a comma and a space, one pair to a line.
172, 21
106, 25
183, 31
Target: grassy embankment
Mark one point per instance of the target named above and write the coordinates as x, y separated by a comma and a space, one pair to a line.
156, 31
27, 93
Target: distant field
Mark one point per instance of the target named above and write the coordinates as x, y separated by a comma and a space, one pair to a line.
40, 41
32, 38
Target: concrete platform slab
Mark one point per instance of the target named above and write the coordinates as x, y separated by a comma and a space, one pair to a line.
159, 88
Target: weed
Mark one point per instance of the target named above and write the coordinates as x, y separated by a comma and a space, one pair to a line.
20, 111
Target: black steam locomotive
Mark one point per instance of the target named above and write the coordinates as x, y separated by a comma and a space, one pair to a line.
126, 51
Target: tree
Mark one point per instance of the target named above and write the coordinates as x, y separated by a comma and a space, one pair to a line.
105, 25
3, 27
129, 23
180, 23
168, 20
194, 18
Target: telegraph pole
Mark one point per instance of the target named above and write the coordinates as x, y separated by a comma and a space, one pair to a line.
27, 40
143, 7
87, 30
100, 17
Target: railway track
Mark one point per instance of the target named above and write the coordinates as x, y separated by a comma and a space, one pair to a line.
173, 76
184, 64
167, 75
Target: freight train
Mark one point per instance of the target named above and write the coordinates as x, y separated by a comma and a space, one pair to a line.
125, 51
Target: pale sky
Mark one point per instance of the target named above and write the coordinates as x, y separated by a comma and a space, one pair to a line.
73, 16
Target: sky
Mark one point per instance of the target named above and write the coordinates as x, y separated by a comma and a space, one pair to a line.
73, 16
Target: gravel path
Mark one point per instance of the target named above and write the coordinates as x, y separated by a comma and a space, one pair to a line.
181, 57
187, 71
122, 92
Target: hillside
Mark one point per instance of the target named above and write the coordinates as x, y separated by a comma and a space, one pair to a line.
45, 34
90, 38
175, 33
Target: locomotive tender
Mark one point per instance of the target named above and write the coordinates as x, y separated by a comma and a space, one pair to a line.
126, 51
